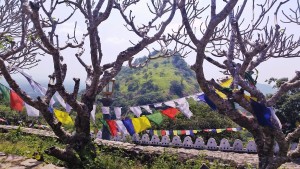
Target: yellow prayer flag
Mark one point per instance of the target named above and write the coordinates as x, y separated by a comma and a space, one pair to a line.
175, 133
140, 124
249, 97
224, 84
63, 117
155, 132
219, 130
195, 131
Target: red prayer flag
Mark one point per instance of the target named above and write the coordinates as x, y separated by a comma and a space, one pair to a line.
112, 127
170, 112
16, 103
206, 130
163, 132
183, 132
229, 129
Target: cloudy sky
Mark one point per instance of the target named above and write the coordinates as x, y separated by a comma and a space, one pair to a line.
115, 38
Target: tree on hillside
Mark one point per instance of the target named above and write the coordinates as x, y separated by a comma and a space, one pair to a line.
15, 46
43, 16
242, 43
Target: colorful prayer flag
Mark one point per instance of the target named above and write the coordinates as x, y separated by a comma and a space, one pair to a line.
156, 118
184, 107
5, 92
175, 132
63, 117
140, 124
16, 103
262, 113
170, 112
121, 127
112, 127
163, 132
129, 126
31, 111
224, 84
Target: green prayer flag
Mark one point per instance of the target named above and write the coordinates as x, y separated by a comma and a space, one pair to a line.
159, 133
5, 92
156, 118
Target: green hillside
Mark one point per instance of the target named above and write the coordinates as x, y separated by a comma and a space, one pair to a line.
162, 79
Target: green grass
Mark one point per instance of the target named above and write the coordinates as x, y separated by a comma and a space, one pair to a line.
18, 143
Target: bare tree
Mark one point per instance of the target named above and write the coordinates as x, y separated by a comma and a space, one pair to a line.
41, 13
15, 45
243, 44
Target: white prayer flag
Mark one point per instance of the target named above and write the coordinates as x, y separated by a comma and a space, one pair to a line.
147, 108
170, 103
118, 112
121, 127
31, 111
136, 111
62, 102
187, 132
183, 106
157, 104
167, 132
105, 110
93, 112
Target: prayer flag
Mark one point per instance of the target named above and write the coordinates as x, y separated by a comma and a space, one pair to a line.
205, 99
118, 112
147, 108
188, 132
156, 118
170, 103
195, 131
182, 132
229, 129
121, 127
184, 107
140, 124
5, 92
31, 111
175, 132
112, 127
129, 126
262, 113
16, 103
63, 117
154, 132
163, 132
105, 110
224, 84
167, 132
93, 113
170, 112
137, 111
157, 105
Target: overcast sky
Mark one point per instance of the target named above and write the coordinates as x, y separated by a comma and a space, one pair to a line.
115, 38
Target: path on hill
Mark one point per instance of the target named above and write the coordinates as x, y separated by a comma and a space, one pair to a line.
19, 162
241, 160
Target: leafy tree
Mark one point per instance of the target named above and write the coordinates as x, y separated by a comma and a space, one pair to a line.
243, 43
176, 88
42, 16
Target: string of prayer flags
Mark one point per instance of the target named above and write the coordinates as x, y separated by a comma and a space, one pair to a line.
129, 126
156, 118
170, 112
63, 117
118, 112
140, 124
121, 127
31, 111
5, 92
112, 127
105, 110
157, 105
184, 107
137, 111
16, 103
